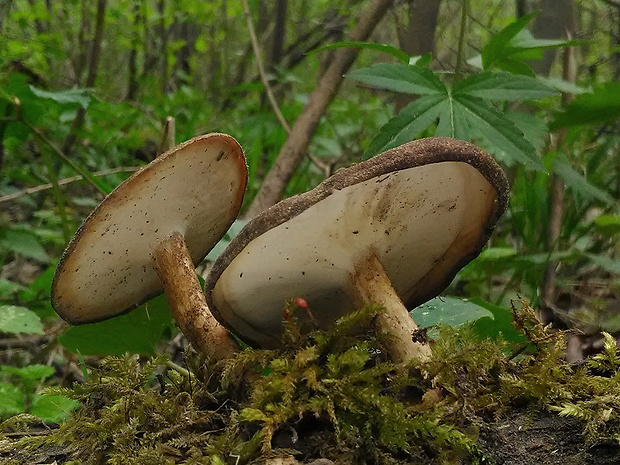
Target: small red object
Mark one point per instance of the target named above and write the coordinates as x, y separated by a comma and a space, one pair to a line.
301, 303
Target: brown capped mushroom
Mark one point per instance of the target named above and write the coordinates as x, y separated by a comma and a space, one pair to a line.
147, 235
393, 230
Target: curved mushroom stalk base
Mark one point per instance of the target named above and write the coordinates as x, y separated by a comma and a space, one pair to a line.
372, 286
175, 268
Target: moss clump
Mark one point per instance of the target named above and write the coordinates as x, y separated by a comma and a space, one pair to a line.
331, 394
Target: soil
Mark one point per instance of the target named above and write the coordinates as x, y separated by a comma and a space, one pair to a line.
548, 439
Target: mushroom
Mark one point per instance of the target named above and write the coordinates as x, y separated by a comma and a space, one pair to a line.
393, 230
147, 236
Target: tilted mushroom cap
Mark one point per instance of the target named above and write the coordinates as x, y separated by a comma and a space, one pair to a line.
423, 209
196, 189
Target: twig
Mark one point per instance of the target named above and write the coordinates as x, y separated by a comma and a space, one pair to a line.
62, 156
62, 182
324, 167
296, 145
261, 68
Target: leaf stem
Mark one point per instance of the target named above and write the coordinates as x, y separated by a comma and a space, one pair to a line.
459, 53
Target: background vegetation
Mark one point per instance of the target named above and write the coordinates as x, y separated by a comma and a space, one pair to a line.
86, 87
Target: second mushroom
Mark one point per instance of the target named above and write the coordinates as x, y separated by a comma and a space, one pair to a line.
393, 230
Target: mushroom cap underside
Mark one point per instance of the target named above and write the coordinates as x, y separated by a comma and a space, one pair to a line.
425, 209
196, 189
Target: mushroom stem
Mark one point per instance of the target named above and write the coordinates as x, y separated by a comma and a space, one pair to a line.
372, 286
175, 268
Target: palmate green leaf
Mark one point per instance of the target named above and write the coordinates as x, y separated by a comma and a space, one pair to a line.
533, 128
411, 121
499, 131
514, 45
600, 106
577, 182
453, 121
495, 49
401, 78
502, 87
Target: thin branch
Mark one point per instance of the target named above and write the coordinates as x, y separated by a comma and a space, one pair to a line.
62, 182
295, 147
325, 168
261, 68
63, 157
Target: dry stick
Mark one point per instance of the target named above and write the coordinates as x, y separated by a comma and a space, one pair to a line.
62, 182
293, 151
263, 77
168, 136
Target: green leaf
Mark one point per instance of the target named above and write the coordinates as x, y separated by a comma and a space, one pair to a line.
496, 49
608, 224
410, 122
397, 53
24, 243
564, 86
577, 182
502, 87
34, 372
136, 332
14, 319
453, 121
52, 408
499, 131
533, 128
514, 45
80, 97
601, 106
400, 78
493, 254
11, 400
448, 311
500, 326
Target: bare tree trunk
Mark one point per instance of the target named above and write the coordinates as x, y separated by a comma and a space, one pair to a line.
295, 146
278, 37
163, 32
132, 77
556, 17
91, 76
521, 8
419, 36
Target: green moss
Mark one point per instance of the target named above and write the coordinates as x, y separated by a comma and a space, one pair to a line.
332, 394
